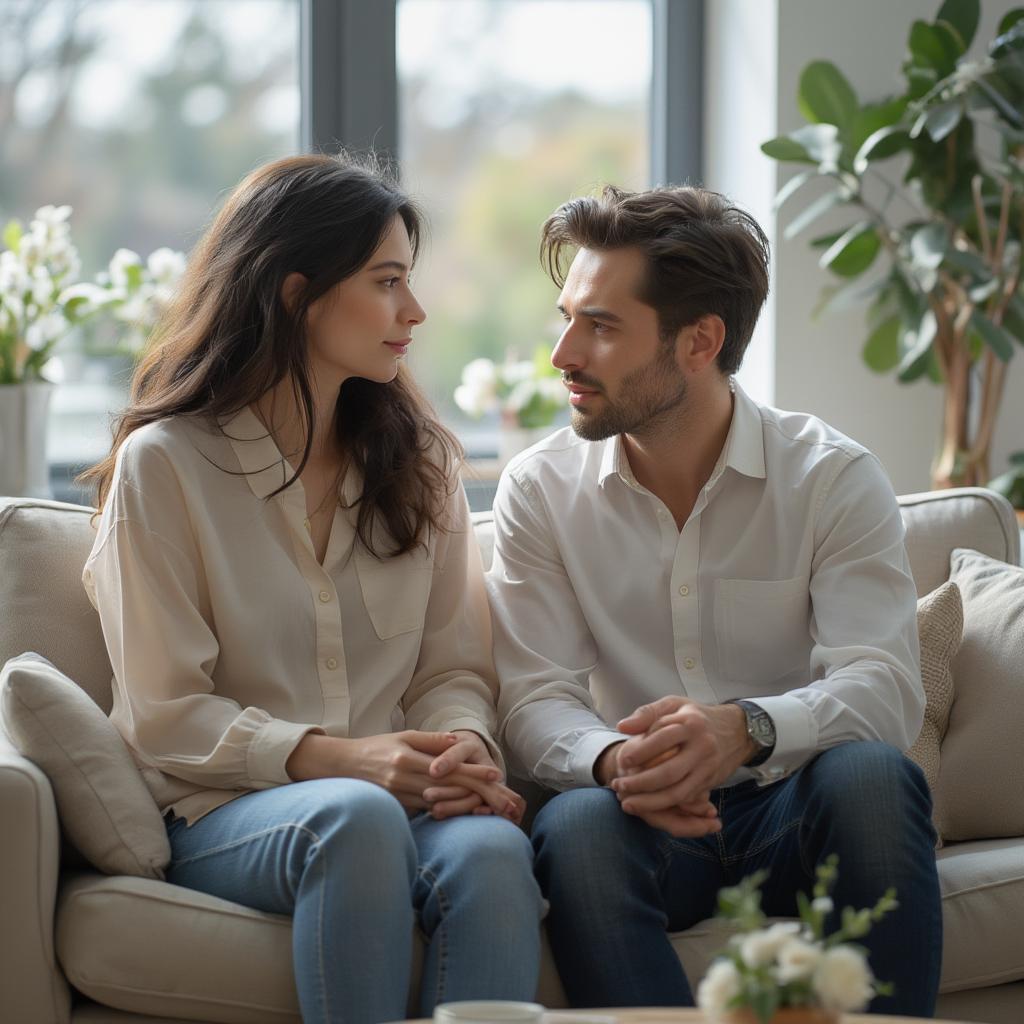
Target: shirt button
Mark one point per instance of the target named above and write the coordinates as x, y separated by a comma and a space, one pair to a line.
684, 590
331, 663
325, 596
689, 663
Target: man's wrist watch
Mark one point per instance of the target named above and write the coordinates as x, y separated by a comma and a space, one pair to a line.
760, 729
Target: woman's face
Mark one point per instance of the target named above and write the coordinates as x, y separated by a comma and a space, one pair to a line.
362, 326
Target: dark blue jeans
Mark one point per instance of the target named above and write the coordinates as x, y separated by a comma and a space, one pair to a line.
618, 886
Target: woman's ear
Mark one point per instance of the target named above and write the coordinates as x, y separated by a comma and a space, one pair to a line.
292, 288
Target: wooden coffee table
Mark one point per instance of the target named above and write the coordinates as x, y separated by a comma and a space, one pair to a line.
678, 1015
670, 1015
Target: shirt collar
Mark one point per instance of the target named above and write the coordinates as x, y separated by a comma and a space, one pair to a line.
743, 450
265, 468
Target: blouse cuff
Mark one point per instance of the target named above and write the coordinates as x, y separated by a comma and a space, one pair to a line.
271, 747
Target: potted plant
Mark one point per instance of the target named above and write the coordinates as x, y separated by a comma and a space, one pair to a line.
791, 972
932, 179
40, 302
526, 393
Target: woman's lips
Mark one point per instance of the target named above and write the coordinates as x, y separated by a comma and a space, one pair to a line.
399, 347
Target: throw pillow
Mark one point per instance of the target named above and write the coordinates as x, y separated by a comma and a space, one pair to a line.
940, 623
104, 805
981, 774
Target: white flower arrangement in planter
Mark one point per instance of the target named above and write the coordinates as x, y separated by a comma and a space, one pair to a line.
791, 970
40, 299
528, 393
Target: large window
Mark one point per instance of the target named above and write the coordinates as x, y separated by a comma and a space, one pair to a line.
506, 109
139, 114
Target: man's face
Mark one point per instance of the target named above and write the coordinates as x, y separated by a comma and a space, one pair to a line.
622, 378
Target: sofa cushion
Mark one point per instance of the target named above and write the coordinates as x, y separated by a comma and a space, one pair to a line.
154, 948
940, 621
982, 909
105, 807
43, 547
981, 774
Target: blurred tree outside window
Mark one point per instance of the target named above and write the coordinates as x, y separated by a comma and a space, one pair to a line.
140, 114
506, 109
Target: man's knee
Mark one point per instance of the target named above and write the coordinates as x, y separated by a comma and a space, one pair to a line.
577, 820
870, 789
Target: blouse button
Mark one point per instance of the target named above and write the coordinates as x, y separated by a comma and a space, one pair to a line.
325, 596
684, 590
331, 663
689, 663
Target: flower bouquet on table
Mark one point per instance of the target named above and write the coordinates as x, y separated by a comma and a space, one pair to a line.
526, 393
790, 972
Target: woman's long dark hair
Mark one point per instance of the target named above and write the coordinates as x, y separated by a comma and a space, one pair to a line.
228, 337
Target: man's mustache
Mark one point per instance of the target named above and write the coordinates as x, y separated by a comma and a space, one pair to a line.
581, 380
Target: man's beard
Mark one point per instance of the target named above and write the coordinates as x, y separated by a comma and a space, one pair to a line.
645, 396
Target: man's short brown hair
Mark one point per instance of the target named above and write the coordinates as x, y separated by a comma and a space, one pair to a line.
703, 255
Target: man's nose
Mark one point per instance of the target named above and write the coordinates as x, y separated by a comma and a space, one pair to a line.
566, 355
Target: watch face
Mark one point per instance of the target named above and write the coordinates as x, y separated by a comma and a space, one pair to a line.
762, 730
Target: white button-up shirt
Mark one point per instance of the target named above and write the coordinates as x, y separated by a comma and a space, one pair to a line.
788, 583
229, 641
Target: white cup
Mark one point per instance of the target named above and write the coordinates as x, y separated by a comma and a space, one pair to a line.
488, 1011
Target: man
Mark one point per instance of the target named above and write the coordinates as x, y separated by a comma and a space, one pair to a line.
704, 622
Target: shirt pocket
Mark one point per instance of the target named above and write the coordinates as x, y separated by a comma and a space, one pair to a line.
395, 591
761, 628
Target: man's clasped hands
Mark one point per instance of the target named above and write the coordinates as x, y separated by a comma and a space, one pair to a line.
675, 752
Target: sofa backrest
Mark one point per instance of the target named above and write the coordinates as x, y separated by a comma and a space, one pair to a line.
44, 544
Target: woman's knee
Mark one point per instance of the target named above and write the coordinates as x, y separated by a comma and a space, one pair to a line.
357, 821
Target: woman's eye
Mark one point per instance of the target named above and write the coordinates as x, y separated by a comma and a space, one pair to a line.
391, 282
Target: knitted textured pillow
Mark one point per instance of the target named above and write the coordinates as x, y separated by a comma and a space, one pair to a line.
940, 623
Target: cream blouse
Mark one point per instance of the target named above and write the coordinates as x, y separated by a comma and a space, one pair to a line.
230, 642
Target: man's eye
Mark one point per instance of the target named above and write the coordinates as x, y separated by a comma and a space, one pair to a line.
600, 328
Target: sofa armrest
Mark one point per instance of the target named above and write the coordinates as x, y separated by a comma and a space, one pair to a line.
32, 988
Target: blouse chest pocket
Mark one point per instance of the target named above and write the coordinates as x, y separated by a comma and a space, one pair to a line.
761, 628
395, 591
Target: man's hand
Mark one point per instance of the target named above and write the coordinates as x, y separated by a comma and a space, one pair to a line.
679, 751
448, 799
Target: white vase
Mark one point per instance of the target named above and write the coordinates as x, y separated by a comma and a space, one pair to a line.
514, 439
24, 420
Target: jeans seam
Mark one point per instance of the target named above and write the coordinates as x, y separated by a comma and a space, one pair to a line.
766, 842
440, 934
247, 839
320, 938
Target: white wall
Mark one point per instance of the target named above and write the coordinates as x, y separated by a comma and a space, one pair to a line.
816, 363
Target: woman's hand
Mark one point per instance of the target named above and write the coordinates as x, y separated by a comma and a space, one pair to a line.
400, 763
448, 798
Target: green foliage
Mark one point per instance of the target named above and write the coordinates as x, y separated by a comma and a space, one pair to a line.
963, 244
1011, 483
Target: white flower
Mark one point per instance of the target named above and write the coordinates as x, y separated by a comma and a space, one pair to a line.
822, 904
119, 264
45, 330
480, 373
473, 401
797, 959
166, 266
14, 278
515, 372
51, 216
759, 947
521, 395
842, 979
719, 986
42, 286
93, 295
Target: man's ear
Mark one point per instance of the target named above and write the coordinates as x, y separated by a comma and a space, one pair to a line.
698, 344
291, 289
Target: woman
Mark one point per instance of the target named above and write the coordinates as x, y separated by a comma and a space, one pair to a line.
292, 599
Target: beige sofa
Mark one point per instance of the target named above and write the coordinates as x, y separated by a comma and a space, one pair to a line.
79, 946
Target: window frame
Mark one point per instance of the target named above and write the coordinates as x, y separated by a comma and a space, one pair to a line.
346, 43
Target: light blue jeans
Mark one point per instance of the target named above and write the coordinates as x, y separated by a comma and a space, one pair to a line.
355, 873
